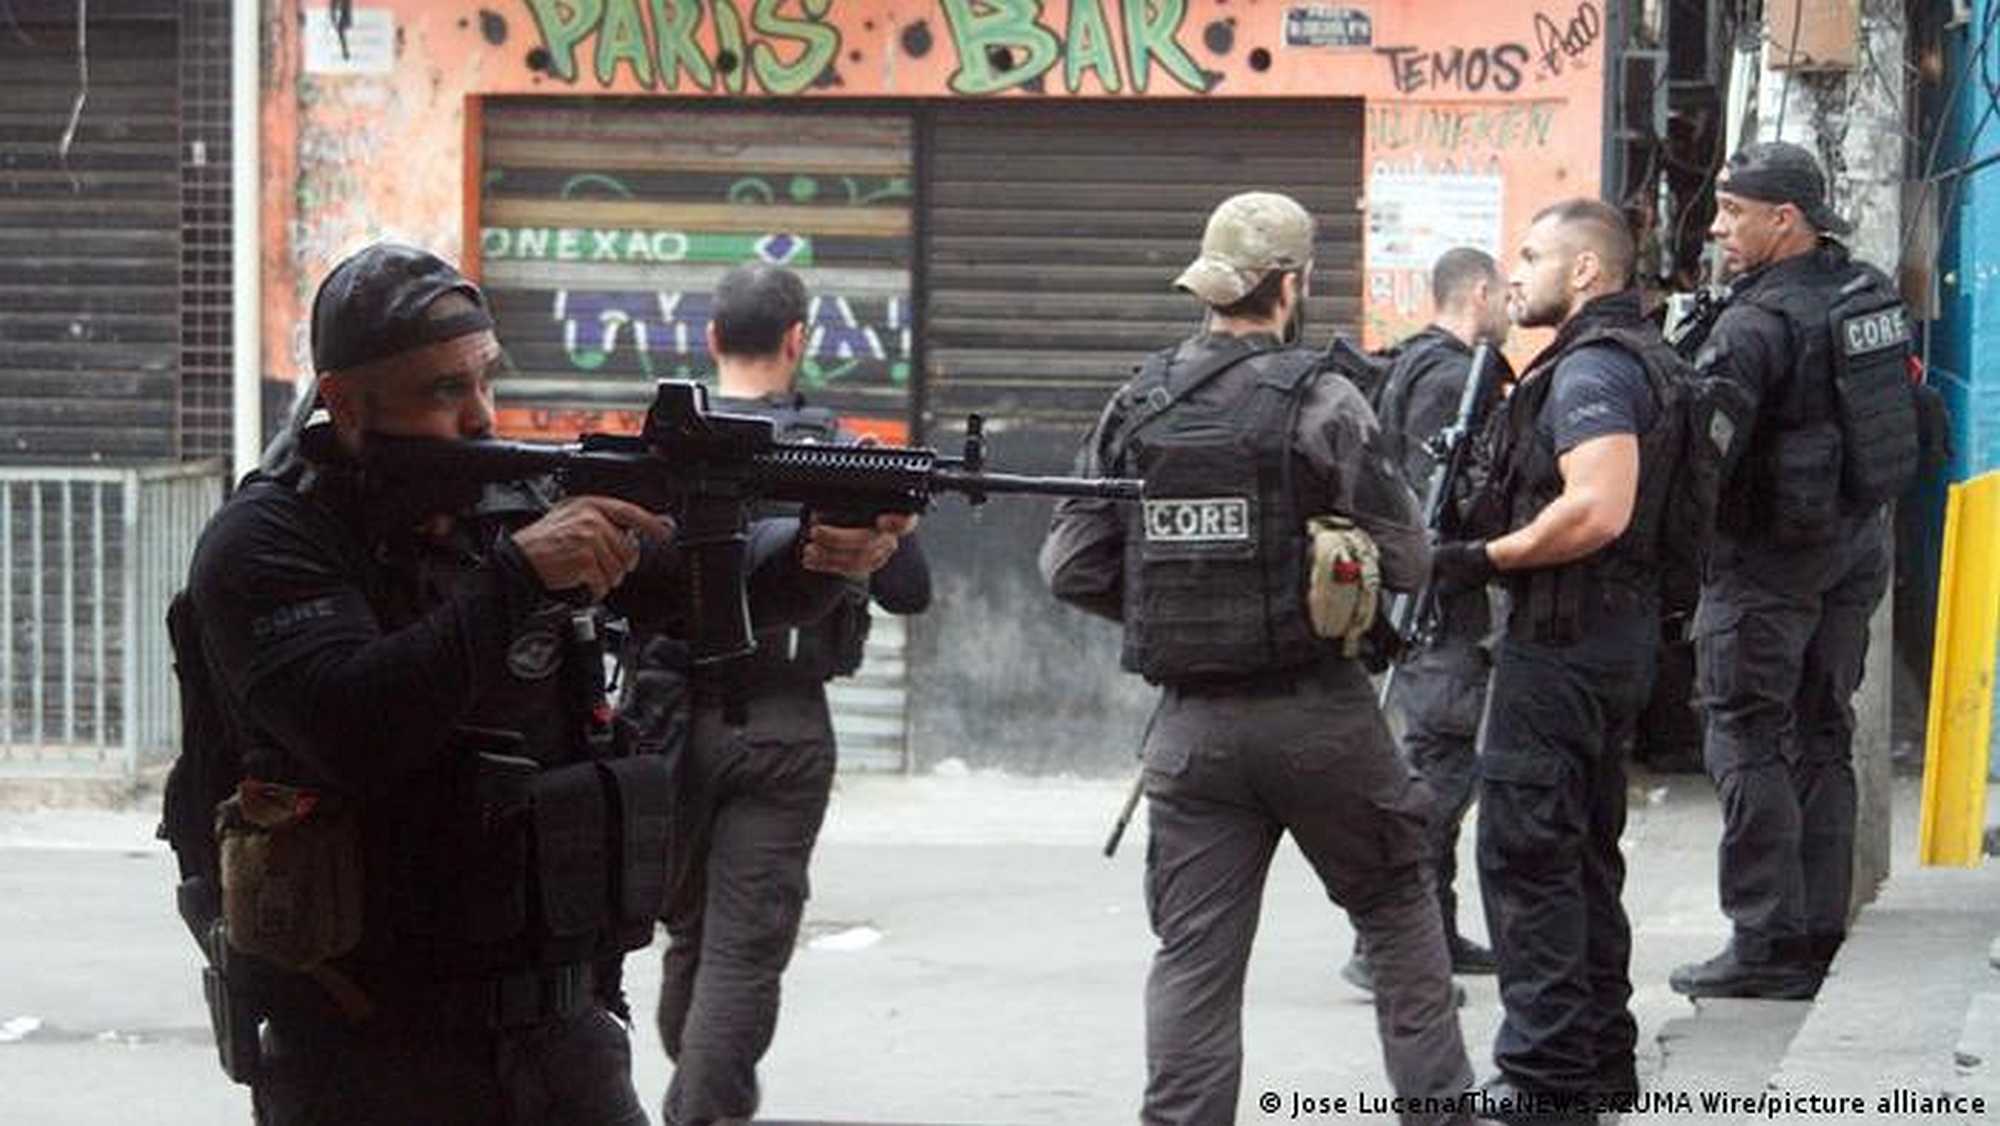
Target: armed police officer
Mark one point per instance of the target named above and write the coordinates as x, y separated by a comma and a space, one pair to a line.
439, 851
1818, 344
1267, 724
1574, 468
758, 783
1440, 691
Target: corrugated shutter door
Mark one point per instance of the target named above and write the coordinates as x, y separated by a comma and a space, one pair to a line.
89, 309
1053, 233
605, 224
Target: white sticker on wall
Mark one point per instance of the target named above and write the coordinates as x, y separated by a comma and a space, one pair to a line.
371, 42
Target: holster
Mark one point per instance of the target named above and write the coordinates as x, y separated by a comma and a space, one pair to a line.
234, 1013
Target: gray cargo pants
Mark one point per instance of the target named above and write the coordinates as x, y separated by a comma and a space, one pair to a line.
757, 795
1781, 640
1438, 696
1227, 773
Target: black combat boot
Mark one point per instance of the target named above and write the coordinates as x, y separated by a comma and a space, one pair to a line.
1501, 1100
1468, 957
1729, 975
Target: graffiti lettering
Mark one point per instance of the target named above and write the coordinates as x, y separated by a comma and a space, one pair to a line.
666, 333
788, 46
1557, 44
1528, 125
1471, 70
1002, 44
638, 244
655, 41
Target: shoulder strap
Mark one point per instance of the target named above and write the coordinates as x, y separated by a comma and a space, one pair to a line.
1156, 397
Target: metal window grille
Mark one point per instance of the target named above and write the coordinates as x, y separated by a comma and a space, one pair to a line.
205, 291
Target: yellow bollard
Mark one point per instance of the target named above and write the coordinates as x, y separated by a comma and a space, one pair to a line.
1962, 669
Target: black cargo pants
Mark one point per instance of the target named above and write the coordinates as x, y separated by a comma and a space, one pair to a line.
757, 795
1781, 639
1226, 775
1551, 810
1438, 696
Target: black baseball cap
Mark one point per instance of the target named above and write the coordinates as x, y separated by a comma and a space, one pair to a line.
373, 305
1782, 172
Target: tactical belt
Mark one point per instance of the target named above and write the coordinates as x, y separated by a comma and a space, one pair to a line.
1257, 685
515, 1000
1559, 606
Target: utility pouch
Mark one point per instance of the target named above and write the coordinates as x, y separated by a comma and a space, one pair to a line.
1805, 485
571, 847
291, 874
494, 876
642, 800
1344, 585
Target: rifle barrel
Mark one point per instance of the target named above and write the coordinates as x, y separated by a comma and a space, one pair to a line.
1104, 488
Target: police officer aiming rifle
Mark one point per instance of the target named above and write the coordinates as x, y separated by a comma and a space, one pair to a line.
414, 909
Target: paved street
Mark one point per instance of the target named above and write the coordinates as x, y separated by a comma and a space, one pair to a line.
969, 958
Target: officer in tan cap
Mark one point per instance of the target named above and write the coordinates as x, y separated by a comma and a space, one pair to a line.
1243, 584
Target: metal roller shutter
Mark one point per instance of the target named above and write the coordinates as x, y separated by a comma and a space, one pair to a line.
1052, 235
89, 307
604, 226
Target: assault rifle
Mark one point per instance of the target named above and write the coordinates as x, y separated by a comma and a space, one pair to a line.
707, 469
1687, 333
1414, 617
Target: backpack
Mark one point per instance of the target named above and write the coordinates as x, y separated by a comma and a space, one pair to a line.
1368, 371
209, 765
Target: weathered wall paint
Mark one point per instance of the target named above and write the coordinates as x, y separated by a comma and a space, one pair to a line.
1454, 88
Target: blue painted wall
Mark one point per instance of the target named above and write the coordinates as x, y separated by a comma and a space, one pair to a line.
1965, 340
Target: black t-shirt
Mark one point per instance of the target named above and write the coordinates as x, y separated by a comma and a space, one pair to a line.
1600, 389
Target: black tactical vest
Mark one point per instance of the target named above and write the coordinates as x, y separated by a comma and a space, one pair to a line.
831, 646
1551, 604
1215, 558
1840, 437
535, 840
1393, 405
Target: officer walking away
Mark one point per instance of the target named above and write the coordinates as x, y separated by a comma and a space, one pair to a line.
1574, 469
1819, 344
1439, 692
758, 783
421, 908
1266, 724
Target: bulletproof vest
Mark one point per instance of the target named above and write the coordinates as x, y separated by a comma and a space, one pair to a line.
536, 838
1215, 558
1847, 413
832, 646
1552, 602
1392, 406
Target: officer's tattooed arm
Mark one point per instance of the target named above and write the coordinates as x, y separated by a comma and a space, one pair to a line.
1083, 557
1344, 446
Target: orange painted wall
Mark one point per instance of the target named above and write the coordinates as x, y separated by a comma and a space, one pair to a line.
1505, 96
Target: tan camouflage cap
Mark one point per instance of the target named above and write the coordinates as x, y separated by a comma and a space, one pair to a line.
1248, 236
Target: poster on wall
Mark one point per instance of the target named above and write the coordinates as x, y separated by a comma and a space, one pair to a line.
369, 47
1413, 217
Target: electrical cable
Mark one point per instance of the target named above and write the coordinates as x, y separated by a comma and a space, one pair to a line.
82, 94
